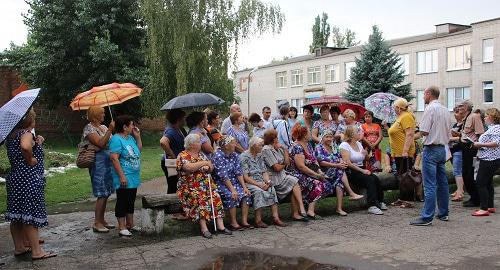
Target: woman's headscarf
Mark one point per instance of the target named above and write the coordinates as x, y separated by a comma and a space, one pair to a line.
325, 133
225, 140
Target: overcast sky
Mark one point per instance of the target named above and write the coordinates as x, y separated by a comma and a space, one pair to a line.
396, 18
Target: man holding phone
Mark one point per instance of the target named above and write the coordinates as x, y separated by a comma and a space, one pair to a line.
473, 128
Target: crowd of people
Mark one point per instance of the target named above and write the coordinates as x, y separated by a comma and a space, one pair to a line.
261, 160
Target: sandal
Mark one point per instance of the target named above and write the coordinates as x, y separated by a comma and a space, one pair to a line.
26, 251
225, 231
261, 225
45, 256
279, 223
406, 205
457, 198
100, 230
303, 219
248, 226
397, 203
206, 234
233, 228
341, 213
356, 197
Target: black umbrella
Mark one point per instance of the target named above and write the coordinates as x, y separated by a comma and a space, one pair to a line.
192, 100
13, 111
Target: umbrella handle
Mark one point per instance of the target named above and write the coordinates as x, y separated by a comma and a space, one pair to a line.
109, 107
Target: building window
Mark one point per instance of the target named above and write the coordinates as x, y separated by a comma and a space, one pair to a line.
458, 57
420, 100
281, 79
348, 68
487, 50
404, 62
427, 61
297, 77
456, 95
298, 103
488, 92
332, 73
313, 75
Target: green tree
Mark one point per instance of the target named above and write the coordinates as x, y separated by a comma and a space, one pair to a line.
377, 70
320, 32
75, 45
344, 39
191, 44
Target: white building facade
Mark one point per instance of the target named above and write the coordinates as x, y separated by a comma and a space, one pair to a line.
462, 60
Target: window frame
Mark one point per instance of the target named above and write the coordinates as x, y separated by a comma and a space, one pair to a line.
492, 50
315, 70
300, 111
332, 69
425, 61
492, 88
405, 64
300, 74
465, 60
350, 70
462, 88
281, 77
418, 100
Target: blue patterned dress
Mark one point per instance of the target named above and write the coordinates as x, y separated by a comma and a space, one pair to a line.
25, 185
229, 167
334, 174
240, 135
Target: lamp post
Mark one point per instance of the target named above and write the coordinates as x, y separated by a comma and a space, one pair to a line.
248, 89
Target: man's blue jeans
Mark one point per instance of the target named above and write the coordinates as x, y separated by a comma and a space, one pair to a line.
435, 181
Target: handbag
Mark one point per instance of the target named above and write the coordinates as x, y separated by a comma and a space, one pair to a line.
86, 155
410, 179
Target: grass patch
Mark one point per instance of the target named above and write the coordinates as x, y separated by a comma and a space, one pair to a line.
74, 184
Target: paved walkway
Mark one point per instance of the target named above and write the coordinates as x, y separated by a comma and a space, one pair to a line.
359, 240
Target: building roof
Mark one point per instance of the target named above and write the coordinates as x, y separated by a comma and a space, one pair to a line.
392, 42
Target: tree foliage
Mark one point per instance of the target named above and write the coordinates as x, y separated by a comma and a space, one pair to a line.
192, 42
75, 45
377, 70
320, 32
344, 39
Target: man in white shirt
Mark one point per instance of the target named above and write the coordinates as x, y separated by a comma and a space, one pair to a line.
227, 122
266, 114
436, 127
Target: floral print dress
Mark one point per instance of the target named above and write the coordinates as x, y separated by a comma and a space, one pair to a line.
312, 189
229, 167
194, 191
324, 125
334, 174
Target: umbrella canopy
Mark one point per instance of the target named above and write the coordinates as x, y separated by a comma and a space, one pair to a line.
13, 111
327, 100
381, 106
105, 95
355, 107
192, 100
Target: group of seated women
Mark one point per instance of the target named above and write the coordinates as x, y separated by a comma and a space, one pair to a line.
267, 172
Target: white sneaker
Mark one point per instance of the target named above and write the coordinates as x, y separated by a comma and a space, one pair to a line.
375, 210
125, 233
383, 206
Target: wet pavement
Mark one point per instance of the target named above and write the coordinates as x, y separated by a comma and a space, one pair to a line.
358, 241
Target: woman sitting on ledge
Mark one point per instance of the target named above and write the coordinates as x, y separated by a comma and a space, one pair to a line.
259, 184
193, 187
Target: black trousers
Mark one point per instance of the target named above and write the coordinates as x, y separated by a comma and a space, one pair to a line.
468, 155
125, 199
375, 194
484, 182
171, 180
402, 165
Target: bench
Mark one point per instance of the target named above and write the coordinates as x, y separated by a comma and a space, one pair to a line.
154, 207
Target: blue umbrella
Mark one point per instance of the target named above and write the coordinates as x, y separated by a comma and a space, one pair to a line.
192, 100
14, 111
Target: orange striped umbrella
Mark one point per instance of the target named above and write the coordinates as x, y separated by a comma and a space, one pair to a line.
105, 95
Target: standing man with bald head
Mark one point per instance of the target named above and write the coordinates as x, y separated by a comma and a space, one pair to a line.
227, 122
436, 127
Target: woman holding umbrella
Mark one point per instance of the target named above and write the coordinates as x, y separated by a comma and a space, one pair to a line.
401, 139
100, 173
25, 189
199, 197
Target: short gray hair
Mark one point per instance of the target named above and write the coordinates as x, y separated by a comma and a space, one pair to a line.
433, 90
190, 139
254, 140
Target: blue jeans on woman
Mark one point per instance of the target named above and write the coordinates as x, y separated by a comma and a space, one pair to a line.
435, 182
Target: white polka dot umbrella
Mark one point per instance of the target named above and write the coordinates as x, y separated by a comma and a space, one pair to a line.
14, 111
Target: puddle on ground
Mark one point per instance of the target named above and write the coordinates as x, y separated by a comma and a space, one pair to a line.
252, 260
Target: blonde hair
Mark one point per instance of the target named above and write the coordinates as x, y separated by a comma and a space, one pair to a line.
94, 113
350, 113
495, 115
401, 103
349, 133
